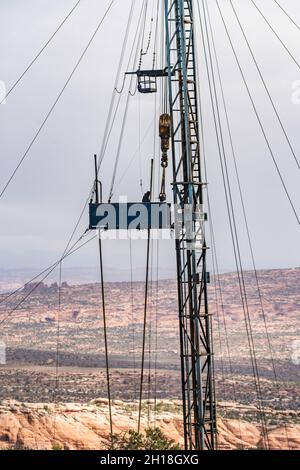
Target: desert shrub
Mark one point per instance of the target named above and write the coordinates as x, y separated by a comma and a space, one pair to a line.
56, 446
152, 439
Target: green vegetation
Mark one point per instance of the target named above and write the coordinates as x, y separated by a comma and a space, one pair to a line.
153, 439
56, 446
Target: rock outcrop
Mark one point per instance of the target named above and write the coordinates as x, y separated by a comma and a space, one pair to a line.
80, 427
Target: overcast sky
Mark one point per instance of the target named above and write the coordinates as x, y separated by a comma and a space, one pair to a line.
41, 206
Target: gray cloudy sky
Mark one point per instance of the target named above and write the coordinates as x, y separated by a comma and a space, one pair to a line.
40, 208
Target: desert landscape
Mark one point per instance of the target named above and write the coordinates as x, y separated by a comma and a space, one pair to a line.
77, 426
53, 385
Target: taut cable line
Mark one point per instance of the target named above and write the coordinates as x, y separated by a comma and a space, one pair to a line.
55, 102
40, 52
265, 86
259, 292
287, 14
271, 152
276, 34
71, 251
233, 225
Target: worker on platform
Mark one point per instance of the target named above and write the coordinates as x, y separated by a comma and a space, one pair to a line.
147, 197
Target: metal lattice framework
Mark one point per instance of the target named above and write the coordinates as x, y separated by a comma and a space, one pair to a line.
194, 318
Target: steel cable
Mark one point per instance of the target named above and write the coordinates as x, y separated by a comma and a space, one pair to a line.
265, 86
244, 209
276, 34
40, 52
55, 102
258, 117
232, 222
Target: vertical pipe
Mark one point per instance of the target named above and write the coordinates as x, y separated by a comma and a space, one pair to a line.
96, 180
145, 307
103, 303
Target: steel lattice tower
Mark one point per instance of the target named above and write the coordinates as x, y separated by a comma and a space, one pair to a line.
194, 319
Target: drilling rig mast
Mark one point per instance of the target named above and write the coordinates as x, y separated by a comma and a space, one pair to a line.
194, 319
